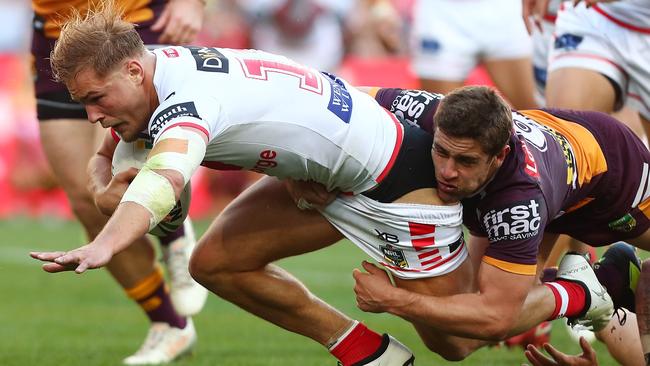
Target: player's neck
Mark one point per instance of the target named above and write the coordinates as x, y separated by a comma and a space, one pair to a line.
149, 61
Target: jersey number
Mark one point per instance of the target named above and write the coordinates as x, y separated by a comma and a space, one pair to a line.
259, 69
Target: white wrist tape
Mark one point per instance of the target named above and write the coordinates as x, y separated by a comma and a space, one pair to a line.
153, 192
178, 149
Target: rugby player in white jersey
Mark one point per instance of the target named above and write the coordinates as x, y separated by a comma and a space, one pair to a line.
229, 109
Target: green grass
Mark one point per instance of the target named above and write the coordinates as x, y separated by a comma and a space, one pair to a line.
66, 319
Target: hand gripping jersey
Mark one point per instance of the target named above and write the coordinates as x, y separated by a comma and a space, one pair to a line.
268, 114
579, 173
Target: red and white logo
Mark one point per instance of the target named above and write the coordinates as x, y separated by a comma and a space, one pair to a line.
422, 239
170, 52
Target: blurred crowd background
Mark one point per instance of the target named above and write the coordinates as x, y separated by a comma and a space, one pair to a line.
366, 45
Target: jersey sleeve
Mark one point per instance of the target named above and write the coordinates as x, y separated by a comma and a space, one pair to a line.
416, 107
514, 228
197, 113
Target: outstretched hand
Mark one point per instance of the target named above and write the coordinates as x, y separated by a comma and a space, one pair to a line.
537, 358
89, 256
373, 288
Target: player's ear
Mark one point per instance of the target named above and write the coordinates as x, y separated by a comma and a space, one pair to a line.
135, 71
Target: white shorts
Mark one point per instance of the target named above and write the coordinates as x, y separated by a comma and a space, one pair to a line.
450, 36
586, 39
411, 240
542, 43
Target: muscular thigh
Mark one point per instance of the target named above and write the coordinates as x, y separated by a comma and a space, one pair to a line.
262, 225
69, 145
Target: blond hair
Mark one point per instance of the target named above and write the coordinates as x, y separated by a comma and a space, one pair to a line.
100, 40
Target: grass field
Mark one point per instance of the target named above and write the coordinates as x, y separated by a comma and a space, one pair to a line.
71, 320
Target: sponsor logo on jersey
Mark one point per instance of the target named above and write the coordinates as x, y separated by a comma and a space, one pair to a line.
171, 112
387, 237
624, 224
340, 101
410, 105
430, 45
568, 41
394, 256
170, 52
517, 221
209, 59
266, 161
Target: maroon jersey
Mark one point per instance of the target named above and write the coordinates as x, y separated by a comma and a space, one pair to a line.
579, 173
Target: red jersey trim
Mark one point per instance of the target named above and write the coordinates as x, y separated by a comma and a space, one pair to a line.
583, 55
398, 144
116, 137
623, 24
188, 124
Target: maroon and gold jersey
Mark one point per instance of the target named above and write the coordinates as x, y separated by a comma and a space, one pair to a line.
584, 174
53, 12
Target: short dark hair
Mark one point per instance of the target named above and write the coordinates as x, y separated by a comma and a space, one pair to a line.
476, 112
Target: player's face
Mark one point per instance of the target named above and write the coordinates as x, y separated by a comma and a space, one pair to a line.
462, 168
116, 101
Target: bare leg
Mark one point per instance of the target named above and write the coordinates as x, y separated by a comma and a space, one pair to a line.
643, 308
260, 226
440, 86
514, 78
622, 340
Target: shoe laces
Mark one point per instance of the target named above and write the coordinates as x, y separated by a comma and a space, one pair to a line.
177, 264
155, 336
621, 319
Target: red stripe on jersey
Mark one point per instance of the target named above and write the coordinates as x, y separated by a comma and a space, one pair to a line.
217, 165
423, 243
582, 55
399, 269
417, 229
432, 260
398, 144
116, 137
620, 22
458, 251
188, 124
428, 254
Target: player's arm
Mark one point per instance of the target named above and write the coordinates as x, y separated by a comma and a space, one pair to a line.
107, 189
176, 154
414, 106
488, 314
180, 21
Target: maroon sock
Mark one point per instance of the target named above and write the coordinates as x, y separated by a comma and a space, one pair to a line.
152, 296
166, 240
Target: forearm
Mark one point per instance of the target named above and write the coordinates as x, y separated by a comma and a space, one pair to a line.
99, 172
129, 222
465, 315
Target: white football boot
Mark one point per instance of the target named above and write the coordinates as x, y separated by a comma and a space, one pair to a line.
390, 353
599, 306
188, 297
164, 344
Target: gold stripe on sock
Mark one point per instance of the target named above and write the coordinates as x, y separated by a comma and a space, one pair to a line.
146, 286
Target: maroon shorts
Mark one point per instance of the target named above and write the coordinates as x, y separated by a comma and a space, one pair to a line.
620, 208
52, 99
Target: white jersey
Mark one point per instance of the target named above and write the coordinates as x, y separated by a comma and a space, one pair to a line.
266, 113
